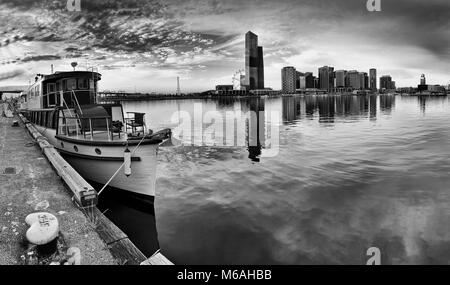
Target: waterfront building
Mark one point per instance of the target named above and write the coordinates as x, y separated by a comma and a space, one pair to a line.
298, 75
354, 79
340, 78
302, 83
254, 63
373, 79
309, 78
423, 80
316, 83
386, 82
289, 79
326, 77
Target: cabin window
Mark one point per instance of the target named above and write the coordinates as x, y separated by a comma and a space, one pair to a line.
52, 99
37, 89
51, 88
58, 86
71, 84
83, 83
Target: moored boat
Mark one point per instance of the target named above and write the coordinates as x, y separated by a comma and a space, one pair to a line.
99, 141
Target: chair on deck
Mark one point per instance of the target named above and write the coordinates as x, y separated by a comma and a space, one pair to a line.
136, 122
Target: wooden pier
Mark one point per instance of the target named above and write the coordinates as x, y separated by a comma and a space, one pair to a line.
20, 167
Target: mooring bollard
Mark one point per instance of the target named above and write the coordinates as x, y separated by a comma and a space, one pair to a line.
44, 228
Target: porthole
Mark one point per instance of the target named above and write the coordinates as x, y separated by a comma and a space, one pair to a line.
75, 148
98, 151
62, 144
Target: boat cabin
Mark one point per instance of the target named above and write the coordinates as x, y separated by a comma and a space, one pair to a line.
63, 89
67, 102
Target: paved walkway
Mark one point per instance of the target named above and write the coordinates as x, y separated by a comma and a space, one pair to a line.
28, 184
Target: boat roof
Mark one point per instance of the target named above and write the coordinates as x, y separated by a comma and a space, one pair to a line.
93, 112
68, 74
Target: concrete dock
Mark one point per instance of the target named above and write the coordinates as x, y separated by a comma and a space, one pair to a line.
29, 184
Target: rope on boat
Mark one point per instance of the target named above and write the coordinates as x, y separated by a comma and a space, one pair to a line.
118, 170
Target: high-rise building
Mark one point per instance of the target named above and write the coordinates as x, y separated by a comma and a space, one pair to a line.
423, 80
326, 77
364, 80
298, 76
386, 82
393, 85
302, 82
354, 79
309, 78
340, 78
254, 63
289, 79
373, 79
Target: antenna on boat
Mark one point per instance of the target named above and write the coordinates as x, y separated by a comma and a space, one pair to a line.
74, 64
51, 67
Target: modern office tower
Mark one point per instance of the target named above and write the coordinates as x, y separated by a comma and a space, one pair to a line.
254, 63
386, 82
326, 77
340, 78
309, 80
298, 75
393, 85
423, 80
302, 83
364, 81
289, 79
316, 83
354, 79
373, 79
260, 68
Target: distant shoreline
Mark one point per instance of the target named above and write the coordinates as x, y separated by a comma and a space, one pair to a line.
152, 97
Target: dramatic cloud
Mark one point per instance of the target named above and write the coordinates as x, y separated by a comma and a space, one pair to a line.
202, 41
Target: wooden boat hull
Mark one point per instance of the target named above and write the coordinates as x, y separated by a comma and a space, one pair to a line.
98, 162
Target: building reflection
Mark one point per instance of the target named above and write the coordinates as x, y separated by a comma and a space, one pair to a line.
425, 100
387, 103
330, 108
291, 108
256, 129
373, 107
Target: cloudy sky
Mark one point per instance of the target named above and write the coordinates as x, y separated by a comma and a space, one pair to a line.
144, 45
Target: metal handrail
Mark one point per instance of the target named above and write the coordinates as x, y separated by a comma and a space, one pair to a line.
76, 100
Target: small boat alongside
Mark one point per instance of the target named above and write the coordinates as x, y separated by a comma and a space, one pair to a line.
98, 140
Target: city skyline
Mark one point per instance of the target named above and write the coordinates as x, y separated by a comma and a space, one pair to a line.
147, 50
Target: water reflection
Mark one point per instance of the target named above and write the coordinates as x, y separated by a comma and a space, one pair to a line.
352, 172
135, 215
329, 108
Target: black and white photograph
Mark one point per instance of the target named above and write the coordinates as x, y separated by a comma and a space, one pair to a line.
225, 133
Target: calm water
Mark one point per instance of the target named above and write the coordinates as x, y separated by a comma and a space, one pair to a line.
351, 173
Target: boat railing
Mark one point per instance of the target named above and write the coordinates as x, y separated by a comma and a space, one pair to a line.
92, 128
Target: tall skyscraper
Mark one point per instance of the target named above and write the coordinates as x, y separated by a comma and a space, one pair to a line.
289, 79
386, 82
373, 79
254, 63
354, 79
309, 80
340, 78
326, 77
364, 78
